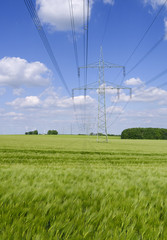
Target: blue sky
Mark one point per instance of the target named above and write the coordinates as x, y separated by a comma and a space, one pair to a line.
32, 95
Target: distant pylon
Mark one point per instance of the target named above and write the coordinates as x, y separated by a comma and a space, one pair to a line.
102, 125
101, 89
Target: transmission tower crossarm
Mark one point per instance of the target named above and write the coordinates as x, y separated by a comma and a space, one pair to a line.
97, 88
106, 65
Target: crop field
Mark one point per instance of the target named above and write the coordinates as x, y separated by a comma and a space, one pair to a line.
71, 187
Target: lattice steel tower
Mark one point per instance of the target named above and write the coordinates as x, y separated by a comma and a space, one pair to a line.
101, 89
102, 124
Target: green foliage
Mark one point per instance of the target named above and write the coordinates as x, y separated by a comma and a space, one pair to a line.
52, 132
35, 132
71, 187
144, 133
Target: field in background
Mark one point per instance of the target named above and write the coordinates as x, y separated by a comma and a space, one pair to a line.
71, 187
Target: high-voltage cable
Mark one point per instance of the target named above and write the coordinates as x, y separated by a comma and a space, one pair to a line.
73, 33
164, 72
144, 35
38, 25
147, 54
85, 37
106, 24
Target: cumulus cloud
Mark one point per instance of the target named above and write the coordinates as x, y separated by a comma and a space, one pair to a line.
27, 102
65, 102
51, 109
12, 115
165, 23
18, 91
109, 89
16, 72
114, 109
49, 99
133, 82
150, 94
162, 111
154, 3
56, 13
109, 2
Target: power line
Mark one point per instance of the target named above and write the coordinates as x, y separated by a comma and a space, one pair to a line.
84, 40
145, 56
106, 25
148, 53
120, 113
87, 39
145, 33
142, 59
164, 72
73, 33
45, 41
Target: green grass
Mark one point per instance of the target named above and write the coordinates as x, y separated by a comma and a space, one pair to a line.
71, 187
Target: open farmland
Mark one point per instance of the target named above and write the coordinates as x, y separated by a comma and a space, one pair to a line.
71, 187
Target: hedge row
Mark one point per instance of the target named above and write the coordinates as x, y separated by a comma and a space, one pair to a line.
35, 132
144, 133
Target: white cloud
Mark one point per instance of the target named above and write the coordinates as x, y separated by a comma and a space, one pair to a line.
56, 13
12, 115
58, 102
49, 99
162, 111
154, 3
150, 94
27, 102
81, 100
16, 72
18, 91
133, 81
109, 2
165, 23
51, 111
108, 89
123, 97
114, 109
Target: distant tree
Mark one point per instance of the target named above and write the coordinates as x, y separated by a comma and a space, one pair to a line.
35, 132
144, 133
52, 132
101, 134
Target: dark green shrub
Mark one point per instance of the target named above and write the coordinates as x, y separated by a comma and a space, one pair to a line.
144, 133
52, 132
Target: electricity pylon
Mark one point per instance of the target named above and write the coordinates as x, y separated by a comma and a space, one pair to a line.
101, 89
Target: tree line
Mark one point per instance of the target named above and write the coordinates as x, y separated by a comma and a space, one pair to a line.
144, 133
35, 132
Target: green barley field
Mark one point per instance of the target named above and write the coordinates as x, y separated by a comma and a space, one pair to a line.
71, 187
